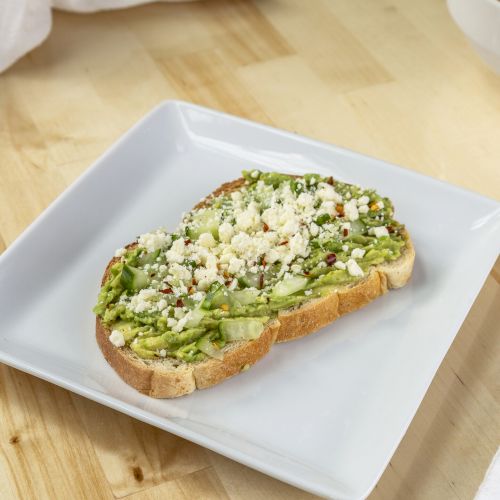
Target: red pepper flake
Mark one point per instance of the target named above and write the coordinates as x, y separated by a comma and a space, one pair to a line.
194, 282
187, 242
390, 229
306, 273
179, 303
228, 282
167, 290
191, 290
225, 274
331, 258
263, 261
345, 232
283, 243
265, 227
261, 282
340, 209
330, 181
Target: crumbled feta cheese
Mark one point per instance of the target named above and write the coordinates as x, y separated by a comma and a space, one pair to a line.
171, 322
179, 312
162, 304
176, 252
345, 248
357, 253
380, 231
182, 323
273, 256
353, 268
226, 232
308, 292
340, 265
120, 252
254, 174
363, 209
207, 240
205, 276
326, 192
306, 201
117, 338
198, 296
180, 273
162, 353
351, 210
364, 200
298, 246
314, 228
141, 302
153, 241
249, 218
235, 265
328, 207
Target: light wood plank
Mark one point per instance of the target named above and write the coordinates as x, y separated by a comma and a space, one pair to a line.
134, 455
44, 452
202, 484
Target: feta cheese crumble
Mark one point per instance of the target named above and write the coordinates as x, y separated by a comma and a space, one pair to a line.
380, 231
120, 252
116, 338
353, 268
358, 253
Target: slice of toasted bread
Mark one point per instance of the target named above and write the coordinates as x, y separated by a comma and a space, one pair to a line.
168, 378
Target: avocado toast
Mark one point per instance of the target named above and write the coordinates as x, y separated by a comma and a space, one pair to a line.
266, 258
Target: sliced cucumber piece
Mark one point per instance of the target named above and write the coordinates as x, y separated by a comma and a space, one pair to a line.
149, 258
220, 298
212, 291
206, 346
357, 227
289, 286
133, 279
205, 222
251, 280
196, 316
244, 297
242, 328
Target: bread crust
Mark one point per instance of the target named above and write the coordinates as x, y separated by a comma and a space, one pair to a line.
164, 378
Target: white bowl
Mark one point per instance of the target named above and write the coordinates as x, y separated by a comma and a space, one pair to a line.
480, 21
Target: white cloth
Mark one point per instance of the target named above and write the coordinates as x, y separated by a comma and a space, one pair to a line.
490, 487
24, 24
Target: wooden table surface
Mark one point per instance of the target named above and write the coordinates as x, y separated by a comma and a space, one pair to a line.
396, 80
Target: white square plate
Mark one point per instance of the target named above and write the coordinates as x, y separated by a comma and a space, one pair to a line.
324, 413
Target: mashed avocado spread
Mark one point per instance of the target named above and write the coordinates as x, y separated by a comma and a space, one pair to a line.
232, 265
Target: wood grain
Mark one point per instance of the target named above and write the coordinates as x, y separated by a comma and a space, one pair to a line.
395, 80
